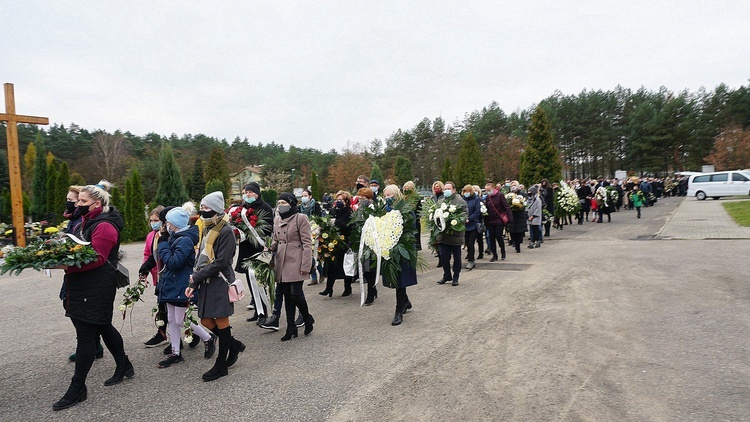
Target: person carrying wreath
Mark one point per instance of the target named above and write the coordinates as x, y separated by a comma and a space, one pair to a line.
91, 292
334, 269
449, 244
211, 278
408, 274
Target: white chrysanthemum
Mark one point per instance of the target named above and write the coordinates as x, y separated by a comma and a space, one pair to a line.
454, 222
446, 214
452, 208
443, 206
188, 339
122, 307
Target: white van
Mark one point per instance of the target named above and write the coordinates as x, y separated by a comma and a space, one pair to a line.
718, 184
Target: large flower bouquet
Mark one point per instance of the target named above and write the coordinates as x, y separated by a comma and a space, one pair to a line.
447, 219
50, 253
516, 201
330, 242
385, 236
567, 200
602, 197
614, 195
248, 224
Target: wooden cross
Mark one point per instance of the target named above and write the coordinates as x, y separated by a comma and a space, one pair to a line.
14, 159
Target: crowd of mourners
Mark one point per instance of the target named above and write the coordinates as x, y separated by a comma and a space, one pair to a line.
195, 255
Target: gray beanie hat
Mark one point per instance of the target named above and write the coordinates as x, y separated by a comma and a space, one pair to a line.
215, 201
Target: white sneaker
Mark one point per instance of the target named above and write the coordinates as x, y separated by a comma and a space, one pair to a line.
251, 306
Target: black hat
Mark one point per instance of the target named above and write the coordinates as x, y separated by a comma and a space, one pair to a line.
252, 187
289, 198
163, 213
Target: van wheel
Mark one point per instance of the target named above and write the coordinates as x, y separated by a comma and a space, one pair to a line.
715, 197
700, 195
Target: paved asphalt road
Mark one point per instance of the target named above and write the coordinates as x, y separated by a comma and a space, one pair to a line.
605, 322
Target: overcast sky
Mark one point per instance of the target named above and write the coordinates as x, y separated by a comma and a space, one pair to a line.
321, 73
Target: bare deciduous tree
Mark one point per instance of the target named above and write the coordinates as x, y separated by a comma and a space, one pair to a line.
111, 155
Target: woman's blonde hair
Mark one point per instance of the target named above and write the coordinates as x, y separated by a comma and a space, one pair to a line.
75, 188
409, 186
438, 183
99, 192
347, 196
393, 189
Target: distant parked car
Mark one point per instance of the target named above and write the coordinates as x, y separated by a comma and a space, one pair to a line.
718, 184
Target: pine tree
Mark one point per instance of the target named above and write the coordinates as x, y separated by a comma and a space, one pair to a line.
39, 183
541, 158
62, 185
171, 190
469, 169
216, 168
136, 205
447, 173
377, 174
29, 159
50, 203
127, 212
403, 170
315, 187
197, 185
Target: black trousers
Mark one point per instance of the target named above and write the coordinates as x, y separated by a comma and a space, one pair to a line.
401, 299
87, 335
446, 252
470, 238
496, 238
517, 240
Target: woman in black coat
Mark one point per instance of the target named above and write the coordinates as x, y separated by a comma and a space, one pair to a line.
90, 294
342, 214
517, 227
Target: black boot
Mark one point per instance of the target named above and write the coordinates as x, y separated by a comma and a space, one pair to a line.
291, 331
329, 288
220, 366
398, 318
347, 288
235, 348
372, 293
76, 393
124, 369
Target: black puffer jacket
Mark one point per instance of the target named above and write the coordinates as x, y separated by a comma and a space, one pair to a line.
91, 293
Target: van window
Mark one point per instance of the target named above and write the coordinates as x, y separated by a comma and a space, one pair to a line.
701, 179
721, 177
737, 177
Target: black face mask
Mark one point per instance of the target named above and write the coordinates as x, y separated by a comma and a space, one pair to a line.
83, 210
208, 214
339, 204
70, 206
360, 186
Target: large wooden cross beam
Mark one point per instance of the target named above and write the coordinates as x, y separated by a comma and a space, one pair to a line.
14, 159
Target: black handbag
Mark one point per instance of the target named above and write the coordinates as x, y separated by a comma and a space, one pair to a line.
122, 275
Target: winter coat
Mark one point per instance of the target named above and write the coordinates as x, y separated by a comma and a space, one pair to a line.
496, 205
548, 195
474, 211
91, 288
292, 242
636, 199
457, 237
148, 251
342, 218
212, 279
535, 210
177, 254
518, 225
247, 249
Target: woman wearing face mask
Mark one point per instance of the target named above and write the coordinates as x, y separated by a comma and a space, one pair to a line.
342, 214
252, 202
150, 266
437, 190
212, 276
292, 245
408, 274
497, 206
473, 213
310, 208
365, 198
176, 249
91, 292
74, 217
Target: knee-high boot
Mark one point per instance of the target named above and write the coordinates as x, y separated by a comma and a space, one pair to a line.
220, 366
329, 287
372, 292
235, 348
347, 286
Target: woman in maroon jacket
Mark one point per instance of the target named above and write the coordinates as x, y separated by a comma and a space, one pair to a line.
497, 207
91, 293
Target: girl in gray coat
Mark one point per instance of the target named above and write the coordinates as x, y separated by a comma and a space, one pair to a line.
535, 217
212, 276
